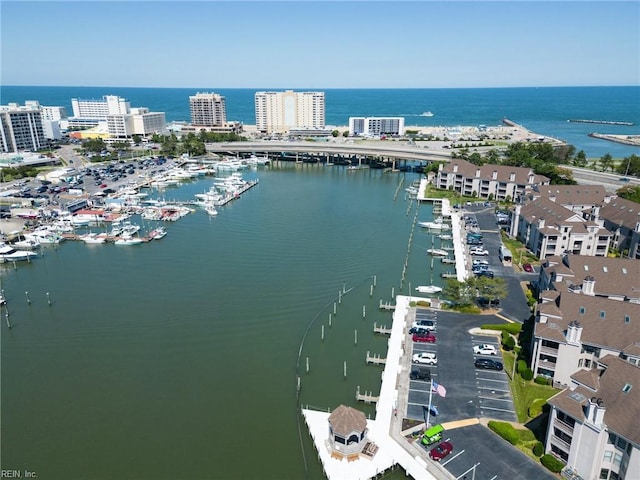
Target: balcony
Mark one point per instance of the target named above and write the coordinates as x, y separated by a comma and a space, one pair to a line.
549, 351
561, 443
546, 365
563, 426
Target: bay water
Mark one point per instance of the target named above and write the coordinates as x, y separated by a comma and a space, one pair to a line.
190, 356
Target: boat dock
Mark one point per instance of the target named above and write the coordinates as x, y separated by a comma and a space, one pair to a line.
385, 432
382, 329
386, 306
375, 359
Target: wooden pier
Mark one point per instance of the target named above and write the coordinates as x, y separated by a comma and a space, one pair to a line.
447, 260
382, 329
375, 359
448, 275
365, 397
386, 306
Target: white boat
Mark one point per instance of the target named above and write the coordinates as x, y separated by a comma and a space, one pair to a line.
426, 114
93, 238
10, 254
428, 289
437, 224
128, 240
26, 244
437, 252
211, 210
44, 236
157, 233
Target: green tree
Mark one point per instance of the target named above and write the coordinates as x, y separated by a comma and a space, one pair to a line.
629, 166
630, 192
460, 293
606, 161
580, 160
136, 139
491, 288
95, 145
335, 133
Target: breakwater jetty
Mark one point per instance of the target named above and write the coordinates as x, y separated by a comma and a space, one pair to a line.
633, 140
603, 122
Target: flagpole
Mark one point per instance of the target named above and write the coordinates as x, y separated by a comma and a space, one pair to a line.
429, 409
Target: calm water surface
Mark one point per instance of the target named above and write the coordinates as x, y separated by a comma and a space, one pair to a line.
179, 358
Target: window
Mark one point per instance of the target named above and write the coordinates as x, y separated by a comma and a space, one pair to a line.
604, 474
582, 310
621, 443
603, 314
608, 456
617, 458
627, 387
627, 319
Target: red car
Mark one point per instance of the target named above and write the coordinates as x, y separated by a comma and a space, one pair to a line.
527, 268
428, 338
103, 185
440, 451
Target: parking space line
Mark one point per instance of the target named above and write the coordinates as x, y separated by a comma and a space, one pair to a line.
496, 399
493, 380
493, 389
453, 458
482, 407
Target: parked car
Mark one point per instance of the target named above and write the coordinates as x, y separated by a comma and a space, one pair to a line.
440, 451
479, 262
420, 372
426, 324
485, 273
484, 349
423, 338
488, 364
425, 358
434, 410
479, 251
527, 268
419, 331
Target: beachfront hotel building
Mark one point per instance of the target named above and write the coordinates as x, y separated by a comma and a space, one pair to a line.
208, 110
139, 121
493, 182
281, 112
91, 112
375, 126
21, 128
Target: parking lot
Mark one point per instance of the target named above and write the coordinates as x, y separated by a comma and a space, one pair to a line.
470, 393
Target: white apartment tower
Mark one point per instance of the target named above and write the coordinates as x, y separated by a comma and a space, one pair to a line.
208, 110
21, 128
280, 112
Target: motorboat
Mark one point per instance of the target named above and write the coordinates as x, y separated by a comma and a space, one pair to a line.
44, 236
10, 254
128, 240
437, 224
428, 289
157, 233
438, 252
426, 114
93, 238
211, 210
26, 244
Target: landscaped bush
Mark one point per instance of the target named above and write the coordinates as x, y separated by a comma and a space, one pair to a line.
508, 344
505, 430
527, 374
520, 367
542, 380
536, 406
538, 449
552, 463
512, 328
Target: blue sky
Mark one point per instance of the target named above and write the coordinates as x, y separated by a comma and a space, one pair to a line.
327, 44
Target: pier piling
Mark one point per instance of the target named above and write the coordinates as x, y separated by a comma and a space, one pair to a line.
48, 299
27, 295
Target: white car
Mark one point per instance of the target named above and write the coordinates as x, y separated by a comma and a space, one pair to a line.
484, 349
425, 358
424, 324
480, 262
479, 251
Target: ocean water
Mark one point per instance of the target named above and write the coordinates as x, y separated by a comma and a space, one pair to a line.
544, 110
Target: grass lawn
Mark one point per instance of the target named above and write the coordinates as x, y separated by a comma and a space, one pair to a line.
517, 249
524, 392
433, 192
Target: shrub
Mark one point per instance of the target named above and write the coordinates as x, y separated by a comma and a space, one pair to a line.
527, 374
536, 406
521, 366
505, 430
508, 345
538, 449
551, 463
541, 380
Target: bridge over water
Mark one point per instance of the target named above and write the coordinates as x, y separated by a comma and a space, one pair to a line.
387, 152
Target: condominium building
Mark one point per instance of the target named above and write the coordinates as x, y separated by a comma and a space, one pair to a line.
593, 424
21, 128
375, 126
547, 228
622, 218
493, 182
589, 307
281, 112
208, 110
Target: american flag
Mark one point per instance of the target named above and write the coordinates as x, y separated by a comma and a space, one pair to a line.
439, 389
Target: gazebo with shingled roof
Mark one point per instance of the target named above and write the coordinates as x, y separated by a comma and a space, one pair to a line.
347, 430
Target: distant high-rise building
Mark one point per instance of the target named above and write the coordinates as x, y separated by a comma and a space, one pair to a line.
21, 128
280, 112
100, 109
208, 110
376, 126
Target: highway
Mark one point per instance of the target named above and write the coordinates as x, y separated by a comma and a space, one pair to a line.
611, 181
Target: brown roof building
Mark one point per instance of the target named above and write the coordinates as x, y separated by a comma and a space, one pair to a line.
622, 218
593, 424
